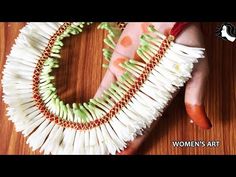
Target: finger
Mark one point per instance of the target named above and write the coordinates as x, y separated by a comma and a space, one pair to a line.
194, 95
125, 49
113, 73
134, 145
195, 87
106, 82
129, 40
115, 64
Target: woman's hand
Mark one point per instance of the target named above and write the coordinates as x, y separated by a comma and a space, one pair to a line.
195, 87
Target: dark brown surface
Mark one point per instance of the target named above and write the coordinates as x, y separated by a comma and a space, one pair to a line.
80, 73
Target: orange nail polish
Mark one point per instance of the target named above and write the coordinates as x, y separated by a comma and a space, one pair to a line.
145, 26
126, 41
137, 57
198, 115
167, 32
116, 63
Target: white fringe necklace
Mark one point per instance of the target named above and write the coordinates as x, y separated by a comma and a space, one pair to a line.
103, 125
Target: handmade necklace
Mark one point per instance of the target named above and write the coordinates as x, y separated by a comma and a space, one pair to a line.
103, 125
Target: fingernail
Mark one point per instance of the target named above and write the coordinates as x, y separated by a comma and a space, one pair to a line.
198, 115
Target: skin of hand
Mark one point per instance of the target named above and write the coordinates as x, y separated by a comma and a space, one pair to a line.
195, 87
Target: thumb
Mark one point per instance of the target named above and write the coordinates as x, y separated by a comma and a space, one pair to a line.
107, 80
194, 95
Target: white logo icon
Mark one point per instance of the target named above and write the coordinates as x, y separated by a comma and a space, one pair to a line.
227, 32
